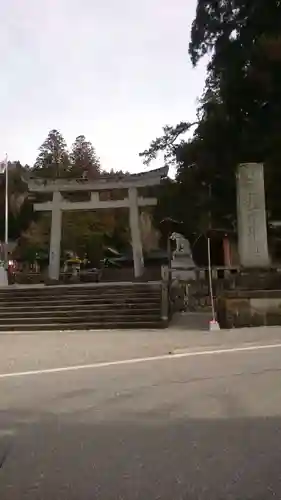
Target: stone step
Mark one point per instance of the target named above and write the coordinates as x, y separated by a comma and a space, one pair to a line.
74, 298
88, 312
9, 298
77, 293
82, 301
107, 325
75, 307
84, 318
65, 308
76, 290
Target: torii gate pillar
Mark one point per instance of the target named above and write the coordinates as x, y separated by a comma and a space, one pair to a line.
55, 240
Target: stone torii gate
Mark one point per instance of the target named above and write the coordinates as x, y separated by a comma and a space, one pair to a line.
133, 202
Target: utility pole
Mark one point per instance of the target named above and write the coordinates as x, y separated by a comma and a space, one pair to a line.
213, 325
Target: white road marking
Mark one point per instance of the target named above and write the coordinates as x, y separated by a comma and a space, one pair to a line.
132, 361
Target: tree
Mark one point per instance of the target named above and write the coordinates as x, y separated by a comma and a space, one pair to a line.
84, 160
53, 159
244, 41
204, 191
239, 116
35, 240
166, 143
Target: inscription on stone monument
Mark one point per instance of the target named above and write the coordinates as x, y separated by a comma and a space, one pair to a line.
251, 216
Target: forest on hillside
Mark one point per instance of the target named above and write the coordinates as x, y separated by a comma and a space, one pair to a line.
84, 232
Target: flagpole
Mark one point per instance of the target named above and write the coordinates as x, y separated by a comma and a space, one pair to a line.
6, 211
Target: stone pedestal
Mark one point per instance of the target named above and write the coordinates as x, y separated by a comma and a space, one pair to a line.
182, 264
251, 216
3, 276
182, 267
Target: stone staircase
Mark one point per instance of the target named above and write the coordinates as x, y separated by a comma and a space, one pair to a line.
79, 307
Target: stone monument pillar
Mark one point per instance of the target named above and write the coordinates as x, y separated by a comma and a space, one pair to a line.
251, 216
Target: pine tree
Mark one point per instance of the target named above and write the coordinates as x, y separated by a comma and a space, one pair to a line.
53, 159
84, 160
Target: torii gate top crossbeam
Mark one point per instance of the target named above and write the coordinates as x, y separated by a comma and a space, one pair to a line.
143, 179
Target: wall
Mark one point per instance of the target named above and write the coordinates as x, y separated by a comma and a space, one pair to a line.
249, 308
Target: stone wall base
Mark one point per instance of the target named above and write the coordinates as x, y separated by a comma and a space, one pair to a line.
249, 308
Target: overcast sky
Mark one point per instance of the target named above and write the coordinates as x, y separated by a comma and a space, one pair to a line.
113, 70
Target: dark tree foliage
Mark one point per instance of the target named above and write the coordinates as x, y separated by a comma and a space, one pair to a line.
239, 116
20, 206
53, 159
84, 160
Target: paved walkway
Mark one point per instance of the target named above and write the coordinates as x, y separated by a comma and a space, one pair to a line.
204, 426
36, 350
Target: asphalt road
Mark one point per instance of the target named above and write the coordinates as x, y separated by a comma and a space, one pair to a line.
197, 424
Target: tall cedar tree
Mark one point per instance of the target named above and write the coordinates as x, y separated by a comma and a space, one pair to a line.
84, 160
239, 116
53, 158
